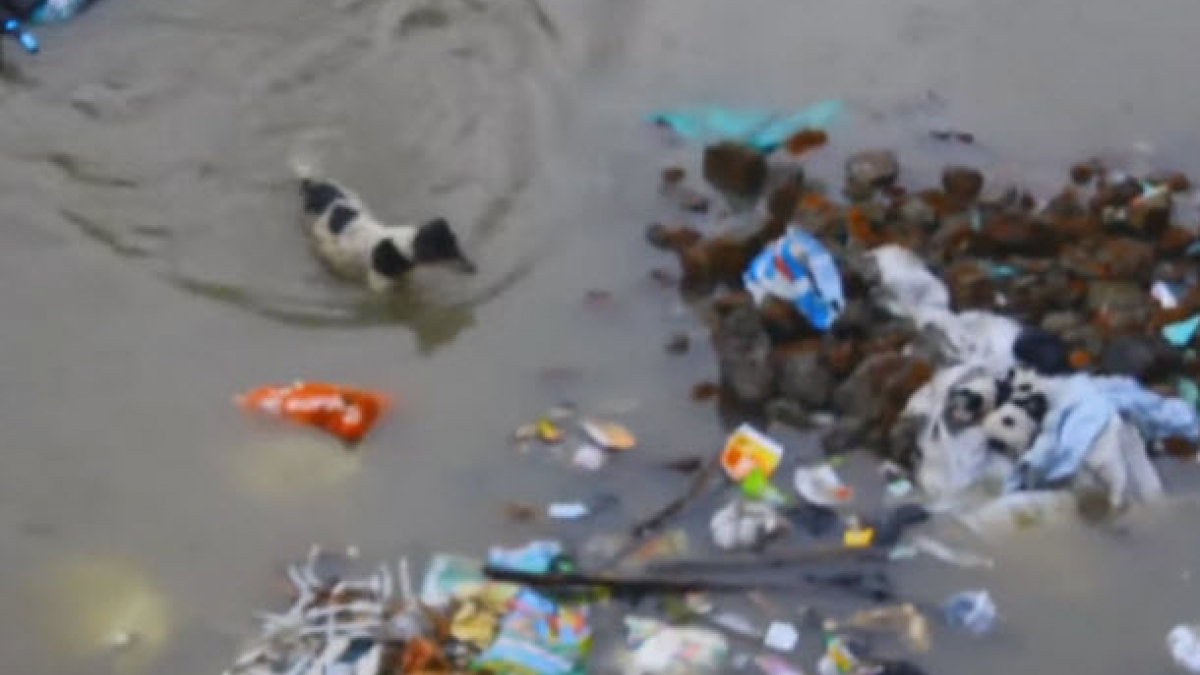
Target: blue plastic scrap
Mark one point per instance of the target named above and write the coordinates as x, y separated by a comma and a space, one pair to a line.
970, 611
799, 269
1086, 406
51, 11
1181, 332
765, 130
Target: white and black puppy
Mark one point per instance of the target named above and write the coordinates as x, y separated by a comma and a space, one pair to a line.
356, 245
1012, 426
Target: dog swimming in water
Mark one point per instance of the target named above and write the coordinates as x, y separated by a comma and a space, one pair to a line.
356, 245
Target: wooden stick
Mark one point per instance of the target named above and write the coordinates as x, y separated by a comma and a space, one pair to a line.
643, 528
630, 584
751, 562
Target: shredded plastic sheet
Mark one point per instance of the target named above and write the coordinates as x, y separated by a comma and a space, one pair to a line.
662, 649
909, 290
763, 129
345, 412
799, 269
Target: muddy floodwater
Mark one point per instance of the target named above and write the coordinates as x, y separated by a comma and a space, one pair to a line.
151, 266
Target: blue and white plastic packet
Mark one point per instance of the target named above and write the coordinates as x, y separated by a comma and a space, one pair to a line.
799, 269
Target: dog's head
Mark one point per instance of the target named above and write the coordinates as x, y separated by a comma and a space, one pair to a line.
1011, 428
435, 242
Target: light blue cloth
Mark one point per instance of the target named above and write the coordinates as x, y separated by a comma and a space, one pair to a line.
762, 129
799, 269
1084, 407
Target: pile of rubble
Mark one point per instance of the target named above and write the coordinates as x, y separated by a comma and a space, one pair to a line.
965, 330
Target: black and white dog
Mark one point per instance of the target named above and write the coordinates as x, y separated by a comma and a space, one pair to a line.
1012, 426
356, 245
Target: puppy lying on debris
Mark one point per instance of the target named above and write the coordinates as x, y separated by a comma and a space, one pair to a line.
356, 245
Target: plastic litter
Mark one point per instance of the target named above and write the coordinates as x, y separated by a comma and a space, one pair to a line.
821, 485
1162, 293
781, 636
748, 449
736, 624
589, 458
324, 632
905, 621
567, 510
449, 576
539, 637
58, 10
23, 36
909, 290
971, 611
660, 649
837, 659
773, 665
900, 488
758, 486
610, 435
762, 129
345, 412
1184, 643
861, 537
799, 269
536, 556
744, 524
1181, 333
946, 554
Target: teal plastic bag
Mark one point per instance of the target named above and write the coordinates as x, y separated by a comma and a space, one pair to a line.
763, 129
58, 10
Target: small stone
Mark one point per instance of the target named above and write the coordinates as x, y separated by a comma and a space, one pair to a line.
962, 183
1151, 214
1125, 258
1128, 355
783, 321
871, 169
1061, 322
1083, 173
787, 412
1115, 295
803, 379
678, 344
1174, 241
744, 355
785, 198
1176, 181
735, 168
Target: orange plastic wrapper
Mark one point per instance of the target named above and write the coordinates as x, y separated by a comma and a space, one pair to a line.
345, 412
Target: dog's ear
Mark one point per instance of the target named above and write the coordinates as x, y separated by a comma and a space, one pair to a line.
436, 242
387, 261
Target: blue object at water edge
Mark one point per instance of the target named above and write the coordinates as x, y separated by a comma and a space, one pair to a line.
763, 129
